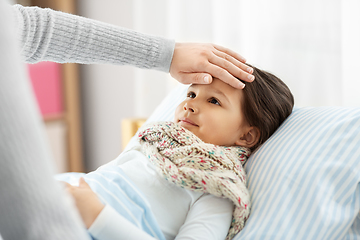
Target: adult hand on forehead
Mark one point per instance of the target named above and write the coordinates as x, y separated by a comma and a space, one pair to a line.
197, 63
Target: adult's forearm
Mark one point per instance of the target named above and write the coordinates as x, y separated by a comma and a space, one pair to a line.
48, 35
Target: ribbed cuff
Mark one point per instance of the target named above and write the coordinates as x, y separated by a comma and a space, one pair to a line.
167, 47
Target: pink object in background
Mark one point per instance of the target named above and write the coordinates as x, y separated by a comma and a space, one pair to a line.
46, 81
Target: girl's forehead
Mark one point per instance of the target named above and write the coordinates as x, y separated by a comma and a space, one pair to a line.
218, 85
220, 88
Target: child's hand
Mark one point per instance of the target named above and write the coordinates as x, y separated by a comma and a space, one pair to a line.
88, 204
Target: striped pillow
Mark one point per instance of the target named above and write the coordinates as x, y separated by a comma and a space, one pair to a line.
305, 180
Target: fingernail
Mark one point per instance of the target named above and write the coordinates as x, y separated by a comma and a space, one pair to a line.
251, 77
241, 85
207, 79
249, 70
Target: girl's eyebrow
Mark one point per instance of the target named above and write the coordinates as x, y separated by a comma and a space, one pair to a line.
217, 91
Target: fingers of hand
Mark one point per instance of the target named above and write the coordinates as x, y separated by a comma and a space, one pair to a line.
234, 67
227, 72
225, 76
83, 183
197, 78
194, 60
230, 53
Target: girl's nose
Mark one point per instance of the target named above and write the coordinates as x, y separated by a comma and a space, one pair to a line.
191, 108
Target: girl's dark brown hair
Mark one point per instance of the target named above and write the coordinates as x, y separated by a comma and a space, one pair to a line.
267, 103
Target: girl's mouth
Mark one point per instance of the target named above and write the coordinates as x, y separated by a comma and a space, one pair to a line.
187, 121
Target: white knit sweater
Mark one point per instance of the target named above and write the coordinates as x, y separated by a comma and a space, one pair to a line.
32, 205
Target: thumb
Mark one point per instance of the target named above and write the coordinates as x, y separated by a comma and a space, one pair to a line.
199, 78
83, 183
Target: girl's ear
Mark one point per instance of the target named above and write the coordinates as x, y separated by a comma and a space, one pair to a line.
250, 138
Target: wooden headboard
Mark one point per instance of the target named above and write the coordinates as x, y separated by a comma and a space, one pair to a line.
129, 126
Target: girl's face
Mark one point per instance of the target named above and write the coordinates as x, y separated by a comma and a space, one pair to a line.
213, 113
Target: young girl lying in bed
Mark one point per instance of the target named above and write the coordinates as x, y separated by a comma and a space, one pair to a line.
185, 179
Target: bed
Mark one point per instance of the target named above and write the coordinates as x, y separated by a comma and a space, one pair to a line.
305, 180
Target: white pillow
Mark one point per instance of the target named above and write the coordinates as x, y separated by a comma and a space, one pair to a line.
165, 111
305, 180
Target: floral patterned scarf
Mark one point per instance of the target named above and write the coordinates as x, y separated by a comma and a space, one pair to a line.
185, 160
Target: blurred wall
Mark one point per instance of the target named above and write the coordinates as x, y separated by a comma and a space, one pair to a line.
107, 90
111, 93
313, 49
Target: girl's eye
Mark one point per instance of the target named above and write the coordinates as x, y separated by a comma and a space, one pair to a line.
214, 101
191, 95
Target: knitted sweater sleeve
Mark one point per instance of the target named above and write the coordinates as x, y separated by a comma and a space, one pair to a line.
48, 35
